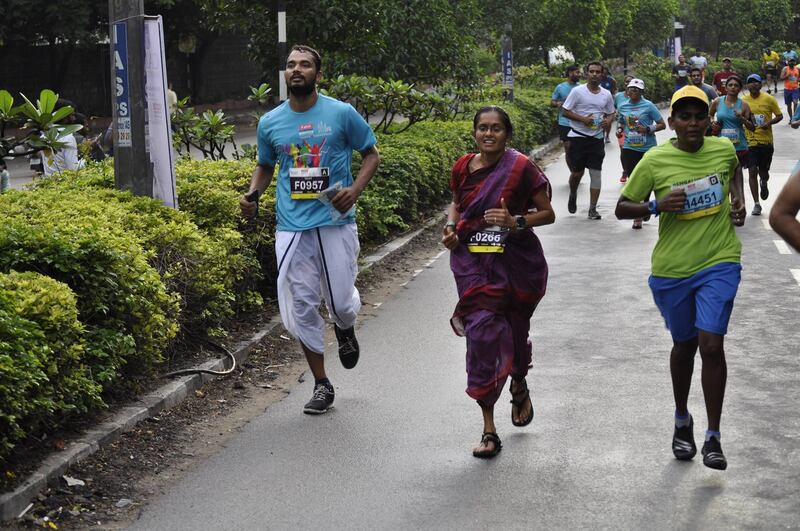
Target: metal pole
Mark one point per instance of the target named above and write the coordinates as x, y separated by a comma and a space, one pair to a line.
132, 167
282, 48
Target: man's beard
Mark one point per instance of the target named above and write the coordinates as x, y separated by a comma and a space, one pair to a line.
302, 90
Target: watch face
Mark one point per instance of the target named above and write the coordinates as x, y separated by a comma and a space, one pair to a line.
520, 222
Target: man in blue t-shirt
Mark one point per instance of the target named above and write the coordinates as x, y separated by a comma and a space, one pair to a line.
560, 94
311, 138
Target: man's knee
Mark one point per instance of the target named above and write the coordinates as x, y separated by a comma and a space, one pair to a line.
711, 346
685, 349
595, 176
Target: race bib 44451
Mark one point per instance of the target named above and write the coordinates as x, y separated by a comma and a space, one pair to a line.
703, 197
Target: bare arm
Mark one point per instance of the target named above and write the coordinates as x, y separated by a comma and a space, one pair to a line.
736, 191
556, 103
449, 236
262, 177
347, 197
627, 209
783, 216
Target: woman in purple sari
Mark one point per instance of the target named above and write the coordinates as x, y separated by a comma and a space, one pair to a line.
499, 266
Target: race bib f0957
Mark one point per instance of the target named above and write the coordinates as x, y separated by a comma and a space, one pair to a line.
703, 197
489, 240
307, 183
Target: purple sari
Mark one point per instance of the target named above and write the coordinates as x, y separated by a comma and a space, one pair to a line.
498, 292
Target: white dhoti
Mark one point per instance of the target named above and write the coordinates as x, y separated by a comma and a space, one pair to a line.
321, 260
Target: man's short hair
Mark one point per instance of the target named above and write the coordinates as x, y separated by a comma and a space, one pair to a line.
598, 63
572, 68
311, 51
695, 69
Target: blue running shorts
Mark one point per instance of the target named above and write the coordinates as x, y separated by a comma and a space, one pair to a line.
703, 301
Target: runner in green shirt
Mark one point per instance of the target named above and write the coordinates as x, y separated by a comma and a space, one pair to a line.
696, 262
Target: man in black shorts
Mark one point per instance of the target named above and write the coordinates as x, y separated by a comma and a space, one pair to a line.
590, 110
560, 94
765, 113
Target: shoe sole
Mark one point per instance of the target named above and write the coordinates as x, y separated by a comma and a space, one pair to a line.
716, 465
349, 362
308, 411
684, 456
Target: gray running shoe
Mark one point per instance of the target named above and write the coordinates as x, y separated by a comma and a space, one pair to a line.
321, 401
757, 209
593, 214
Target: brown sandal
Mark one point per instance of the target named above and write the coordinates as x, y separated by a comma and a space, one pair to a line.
518, 400
489, 437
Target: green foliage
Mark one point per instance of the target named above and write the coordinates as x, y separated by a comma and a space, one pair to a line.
41, 121
656, 74
43, 379
128, 316
389, 99
634, 25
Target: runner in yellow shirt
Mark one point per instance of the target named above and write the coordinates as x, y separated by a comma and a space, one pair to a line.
770, 62
765, 112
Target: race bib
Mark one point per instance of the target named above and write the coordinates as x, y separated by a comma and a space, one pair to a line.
635, 138
770, 64
759, 119
682, 73
731, 133
489, 240
703, 197
307, 183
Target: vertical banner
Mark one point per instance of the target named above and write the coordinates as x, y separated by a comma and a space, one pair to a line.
508, 68
158, 132
677, 50
122, 107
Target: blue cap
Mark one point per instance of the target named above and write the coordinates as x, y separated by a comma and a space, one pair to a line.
753, 77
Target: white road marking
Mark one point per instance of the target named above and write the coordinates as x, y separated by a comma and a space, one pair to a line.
796, 275
783, 248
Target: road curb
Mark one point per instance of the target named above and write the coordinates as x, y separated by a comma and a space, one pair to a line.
15, 503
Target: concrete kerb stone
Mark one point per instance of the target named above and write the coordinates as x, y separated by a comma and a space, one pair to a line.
13, 503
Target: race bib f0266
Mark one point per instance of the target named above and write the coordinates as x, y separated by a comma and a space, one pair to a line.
307, 183
703, 197
489, 240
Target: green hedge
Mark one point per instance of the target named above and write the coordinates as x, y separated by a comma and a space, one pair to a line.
97, 285
43, 378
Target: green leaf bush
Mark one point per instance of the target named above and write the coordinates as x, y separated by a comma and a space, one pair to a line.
43, 377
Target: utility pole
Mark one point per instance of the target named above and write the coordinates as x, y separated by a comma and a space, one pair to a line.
133, 170
282, 48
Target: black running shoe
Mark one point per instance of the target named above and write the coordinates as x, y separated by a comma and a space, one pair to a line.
348, 346
572, 203
321, 401
683, 446
764, 189
713, 456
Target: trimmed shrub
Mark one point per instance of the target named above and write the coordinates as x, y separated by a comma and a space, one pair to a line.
42, 376
128, 316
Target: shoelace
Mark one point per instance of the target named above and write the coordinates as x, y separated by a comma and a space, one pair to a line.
347, 347
320, 393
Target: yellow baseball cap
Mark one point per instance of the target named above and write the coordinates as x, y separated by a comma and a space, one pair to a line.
689, 91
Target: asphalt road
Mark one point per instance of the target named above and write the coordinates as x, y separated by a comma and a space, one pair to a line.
395, 453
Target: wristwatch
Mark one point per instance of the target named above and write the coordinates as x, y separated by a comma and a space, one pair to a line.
653, 207
521, 224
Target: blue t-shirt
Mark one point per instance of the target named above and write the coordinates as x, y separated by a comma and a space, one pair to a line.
632, 114
560, 94
791, 54
607, 82
619, 98
318, 143
731, 126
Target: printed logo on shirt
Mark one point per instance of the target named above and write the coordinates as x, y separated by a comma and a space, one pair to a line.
305, 155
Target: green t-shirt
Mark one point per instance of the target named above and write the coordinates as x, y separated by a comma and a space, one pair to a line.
701, 235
